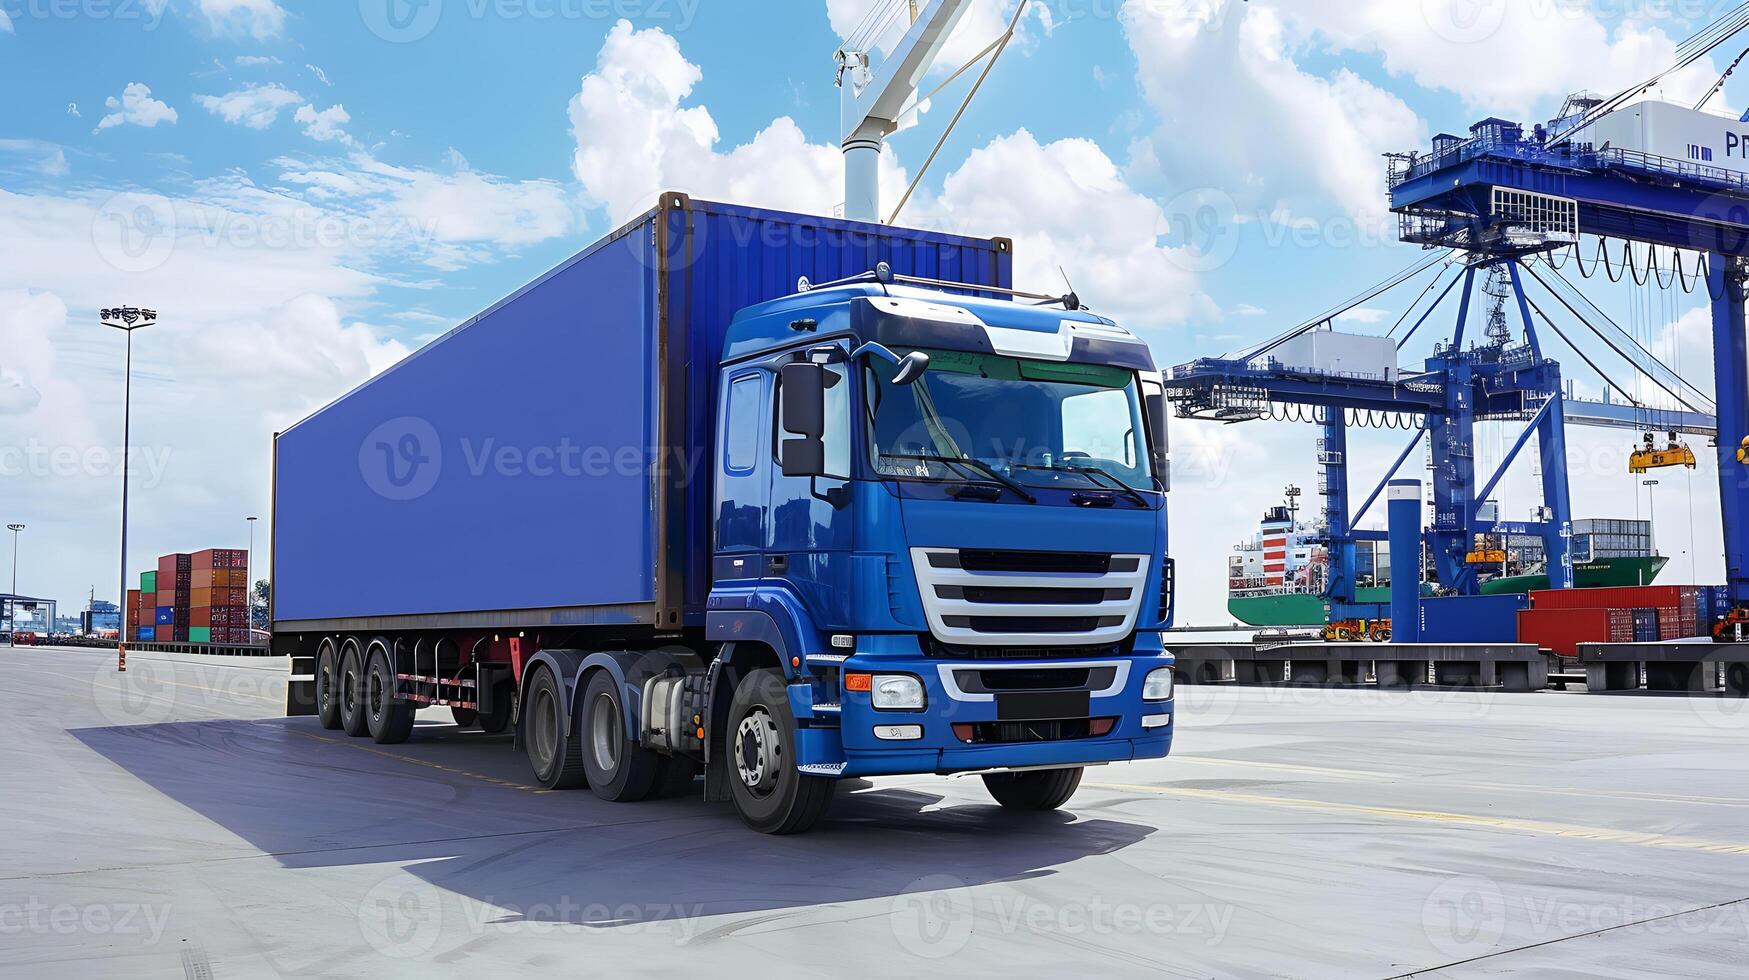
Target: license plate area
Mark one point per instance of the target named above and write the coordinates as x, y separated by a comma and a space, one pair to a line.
1042, 705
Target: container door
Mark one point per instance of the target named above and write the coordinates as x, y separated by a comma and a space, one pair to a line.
743, 474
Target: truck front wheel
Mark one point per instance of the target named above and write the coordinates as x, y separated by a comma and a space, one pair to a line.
1045, 789
353, 720
620, 770
328, 687
772, 796
554, 750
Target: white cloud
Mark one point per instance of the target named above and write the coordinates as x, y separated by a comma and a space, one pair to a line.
254, 106
51, 159
6, 23
1068, 209
259, 19
325, 125
136, 107
630, 109
1533, 52
255, 61
1239, 113
1364, 314
321, 75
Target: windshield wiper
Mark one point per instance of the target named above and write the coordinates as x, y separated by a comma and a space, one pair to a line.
1088, 472
976, 465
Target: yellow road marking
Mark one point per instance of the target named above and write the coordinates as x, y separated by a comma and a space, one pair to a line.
538, 791
1433, 816
1382, 777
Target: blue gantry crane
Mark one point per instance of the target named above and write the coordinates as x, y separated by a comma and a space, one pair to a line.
1505, 207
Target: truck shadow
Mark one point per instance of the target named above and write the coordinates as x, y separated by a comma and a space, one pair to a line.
458, 812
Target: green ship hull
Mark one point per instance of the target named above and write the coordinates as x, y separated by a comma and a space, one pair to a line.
1308, 610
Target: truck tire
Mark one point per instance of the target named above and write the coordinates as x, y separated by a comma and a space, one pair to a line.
353, 720
554, 750
328, 687
620, 770
772, 796
1045, 789
390, 720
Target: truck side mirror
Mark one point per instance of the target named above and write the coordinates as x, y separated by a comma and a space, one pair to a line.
911, 368
1154, 399
803, 391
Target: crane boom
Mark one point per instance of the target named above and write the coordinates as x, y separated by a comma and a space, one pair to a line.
874, 97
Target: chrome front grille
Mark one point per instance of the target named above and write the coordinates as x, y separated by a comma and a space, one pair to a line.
993, 597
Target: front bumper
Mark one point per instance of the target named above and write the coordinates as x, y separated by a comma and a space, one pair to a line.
954, 698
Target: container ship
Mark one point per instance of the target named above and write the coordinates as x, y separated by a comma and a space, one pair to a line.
1278, 578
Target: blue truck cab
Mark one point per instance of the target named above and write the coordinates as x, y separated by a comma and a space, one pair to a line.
919, 526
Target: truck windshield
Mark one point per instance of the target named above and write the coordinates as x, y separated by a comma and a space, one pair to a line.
1037, 423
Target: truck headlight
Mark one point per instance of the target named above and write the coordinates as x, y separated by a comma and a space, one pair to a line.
1158, 686
897, 692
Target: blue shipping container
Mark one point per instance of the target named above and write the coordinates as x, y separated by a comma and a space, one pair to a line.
1645, 625
146, 634
1472, 619
165, 616
549, 461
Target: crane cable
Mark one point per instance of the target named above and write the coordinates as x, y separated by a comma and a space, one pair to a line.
1393, 282
995, 56
1676, 379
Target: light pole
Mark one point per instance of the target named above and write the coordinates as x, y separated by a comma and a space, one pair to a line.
249, 577
12, 600
127, 319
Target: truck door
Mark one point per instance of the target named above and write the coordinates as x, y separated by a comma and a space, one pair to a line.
808, 533
743, 474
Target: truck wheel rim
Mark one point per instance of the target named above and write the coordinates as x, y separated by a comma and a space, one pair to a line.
604, 732
757, 751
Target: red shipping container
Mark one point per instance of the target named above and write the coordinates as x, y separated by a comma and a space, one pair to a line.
1624, 597
1562, 630
200, 616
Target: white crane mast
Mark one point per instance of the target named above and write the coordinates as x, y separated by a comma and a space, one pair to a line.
874, 97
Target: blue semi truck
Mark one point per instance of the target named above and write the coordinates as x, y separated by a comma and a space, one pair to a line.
772, 499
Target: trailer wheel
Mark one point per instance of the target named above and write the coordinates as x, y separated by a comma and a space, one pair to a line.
353, 720
772, 796
554, 750
620, 770
465, 717
328, 687
390, 720
1045, 789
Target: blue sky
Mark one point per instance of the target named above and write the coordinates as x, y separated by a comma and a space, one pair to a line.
341, 189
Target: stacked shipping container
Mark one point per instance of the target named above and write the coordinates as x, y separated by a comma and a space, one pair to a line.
193, 598
1561, 619
218, 610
